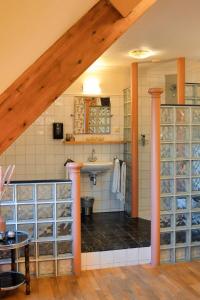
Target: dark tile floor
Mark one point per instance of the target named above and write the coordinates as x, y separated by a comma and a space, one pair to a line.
112, 231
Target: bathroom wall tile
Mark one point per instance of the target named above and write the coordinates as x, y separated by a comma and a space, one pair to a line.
93, 258
144, 254
106, 258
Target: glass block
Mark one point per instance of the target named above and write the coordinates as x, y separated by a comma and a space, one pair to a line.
63, 210
182, 151
196, 115
196, 133
64, 248
46, 268
45, 192
182, 133
8, 194
182, 254
30, 228
182, 202
11, 227
195, 184
64, 228
32, 268
182, 115
195, 252
195, 201
25, 192
46, 249
63, 191
25, 212
166, 255
167, 133
167, 115
167, 186
195, 218
167, 169
195, 168
189, 91
5, 267
8, 212
165, 221
182, 185
32, 251
45, 230
183, 168
182, 220
165, 238
196, 150
64, 267
167, 151
181, 237
5, 254
166, 203
195, 235
45, 211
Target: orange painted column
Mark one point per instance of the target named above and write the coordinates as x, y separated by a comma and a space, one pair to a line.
181, 80
155, 175
74, 171
134, 141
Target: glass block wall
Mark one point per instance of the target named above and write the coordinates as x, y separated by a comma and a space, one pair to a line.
127, 147
44, 210
180, 183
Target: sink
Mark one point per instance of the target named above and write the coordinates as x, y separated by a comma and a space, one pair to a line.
96, 167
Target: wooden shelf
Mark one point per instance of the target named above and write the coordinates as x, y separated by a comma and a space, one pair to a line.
92, 142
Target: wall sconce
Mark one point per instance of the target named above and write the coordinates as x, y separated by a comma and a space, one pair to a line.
91, 86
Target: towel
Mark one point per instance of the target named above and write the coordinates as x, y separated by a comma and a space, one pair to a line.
119, 180
66, 168
121, 195
116, 177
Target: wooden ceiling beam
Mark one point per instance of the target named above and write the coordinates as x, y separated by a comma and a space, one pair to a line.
125, 7
46, 79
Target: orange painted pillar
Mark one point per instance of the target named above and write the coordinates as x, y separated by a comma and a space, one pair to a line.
155, 175
74, 171
134, 141
181, 80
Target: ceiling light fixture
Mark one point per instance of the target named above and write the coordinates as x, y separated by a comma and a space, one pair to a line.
140, 53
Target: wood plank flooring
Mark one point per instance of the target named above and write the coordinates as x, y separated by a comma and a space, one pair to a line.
167, 282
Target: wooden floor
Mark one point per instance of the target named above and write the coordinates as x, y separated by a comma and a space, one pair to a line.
180, 281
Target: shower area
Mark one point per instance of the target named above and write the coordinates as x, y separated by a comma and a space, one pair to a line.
180, 183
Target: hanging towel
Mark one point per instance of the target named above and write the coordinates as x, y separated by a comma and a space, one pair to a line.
122, 193
66, 169
116, 177
119, 180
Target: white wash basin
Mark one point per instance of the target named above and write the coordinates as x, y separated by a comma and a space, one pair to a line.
96, 166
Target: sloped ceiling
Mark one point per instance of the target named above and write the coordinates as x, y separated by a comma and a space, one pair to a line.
28, 28
170, 28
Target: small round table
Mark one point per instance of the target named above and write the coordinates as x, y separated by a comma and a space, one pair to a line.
13, 279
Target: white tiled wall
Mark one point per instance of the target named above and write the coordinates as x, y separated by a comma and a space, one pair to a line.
151, 76
115, 258
37, 156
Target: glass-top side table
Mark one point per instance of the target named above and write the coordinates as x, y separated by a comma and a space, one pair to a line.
13, 279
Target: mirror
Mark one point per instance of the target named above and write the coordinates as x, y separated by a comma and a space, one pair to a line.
92, 115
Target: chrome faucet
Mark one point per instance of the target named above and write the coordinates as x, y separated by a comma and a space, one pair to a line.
92, 157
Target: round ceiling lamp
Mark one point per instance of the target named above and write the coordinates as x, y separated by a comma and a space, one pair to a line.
140, 53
